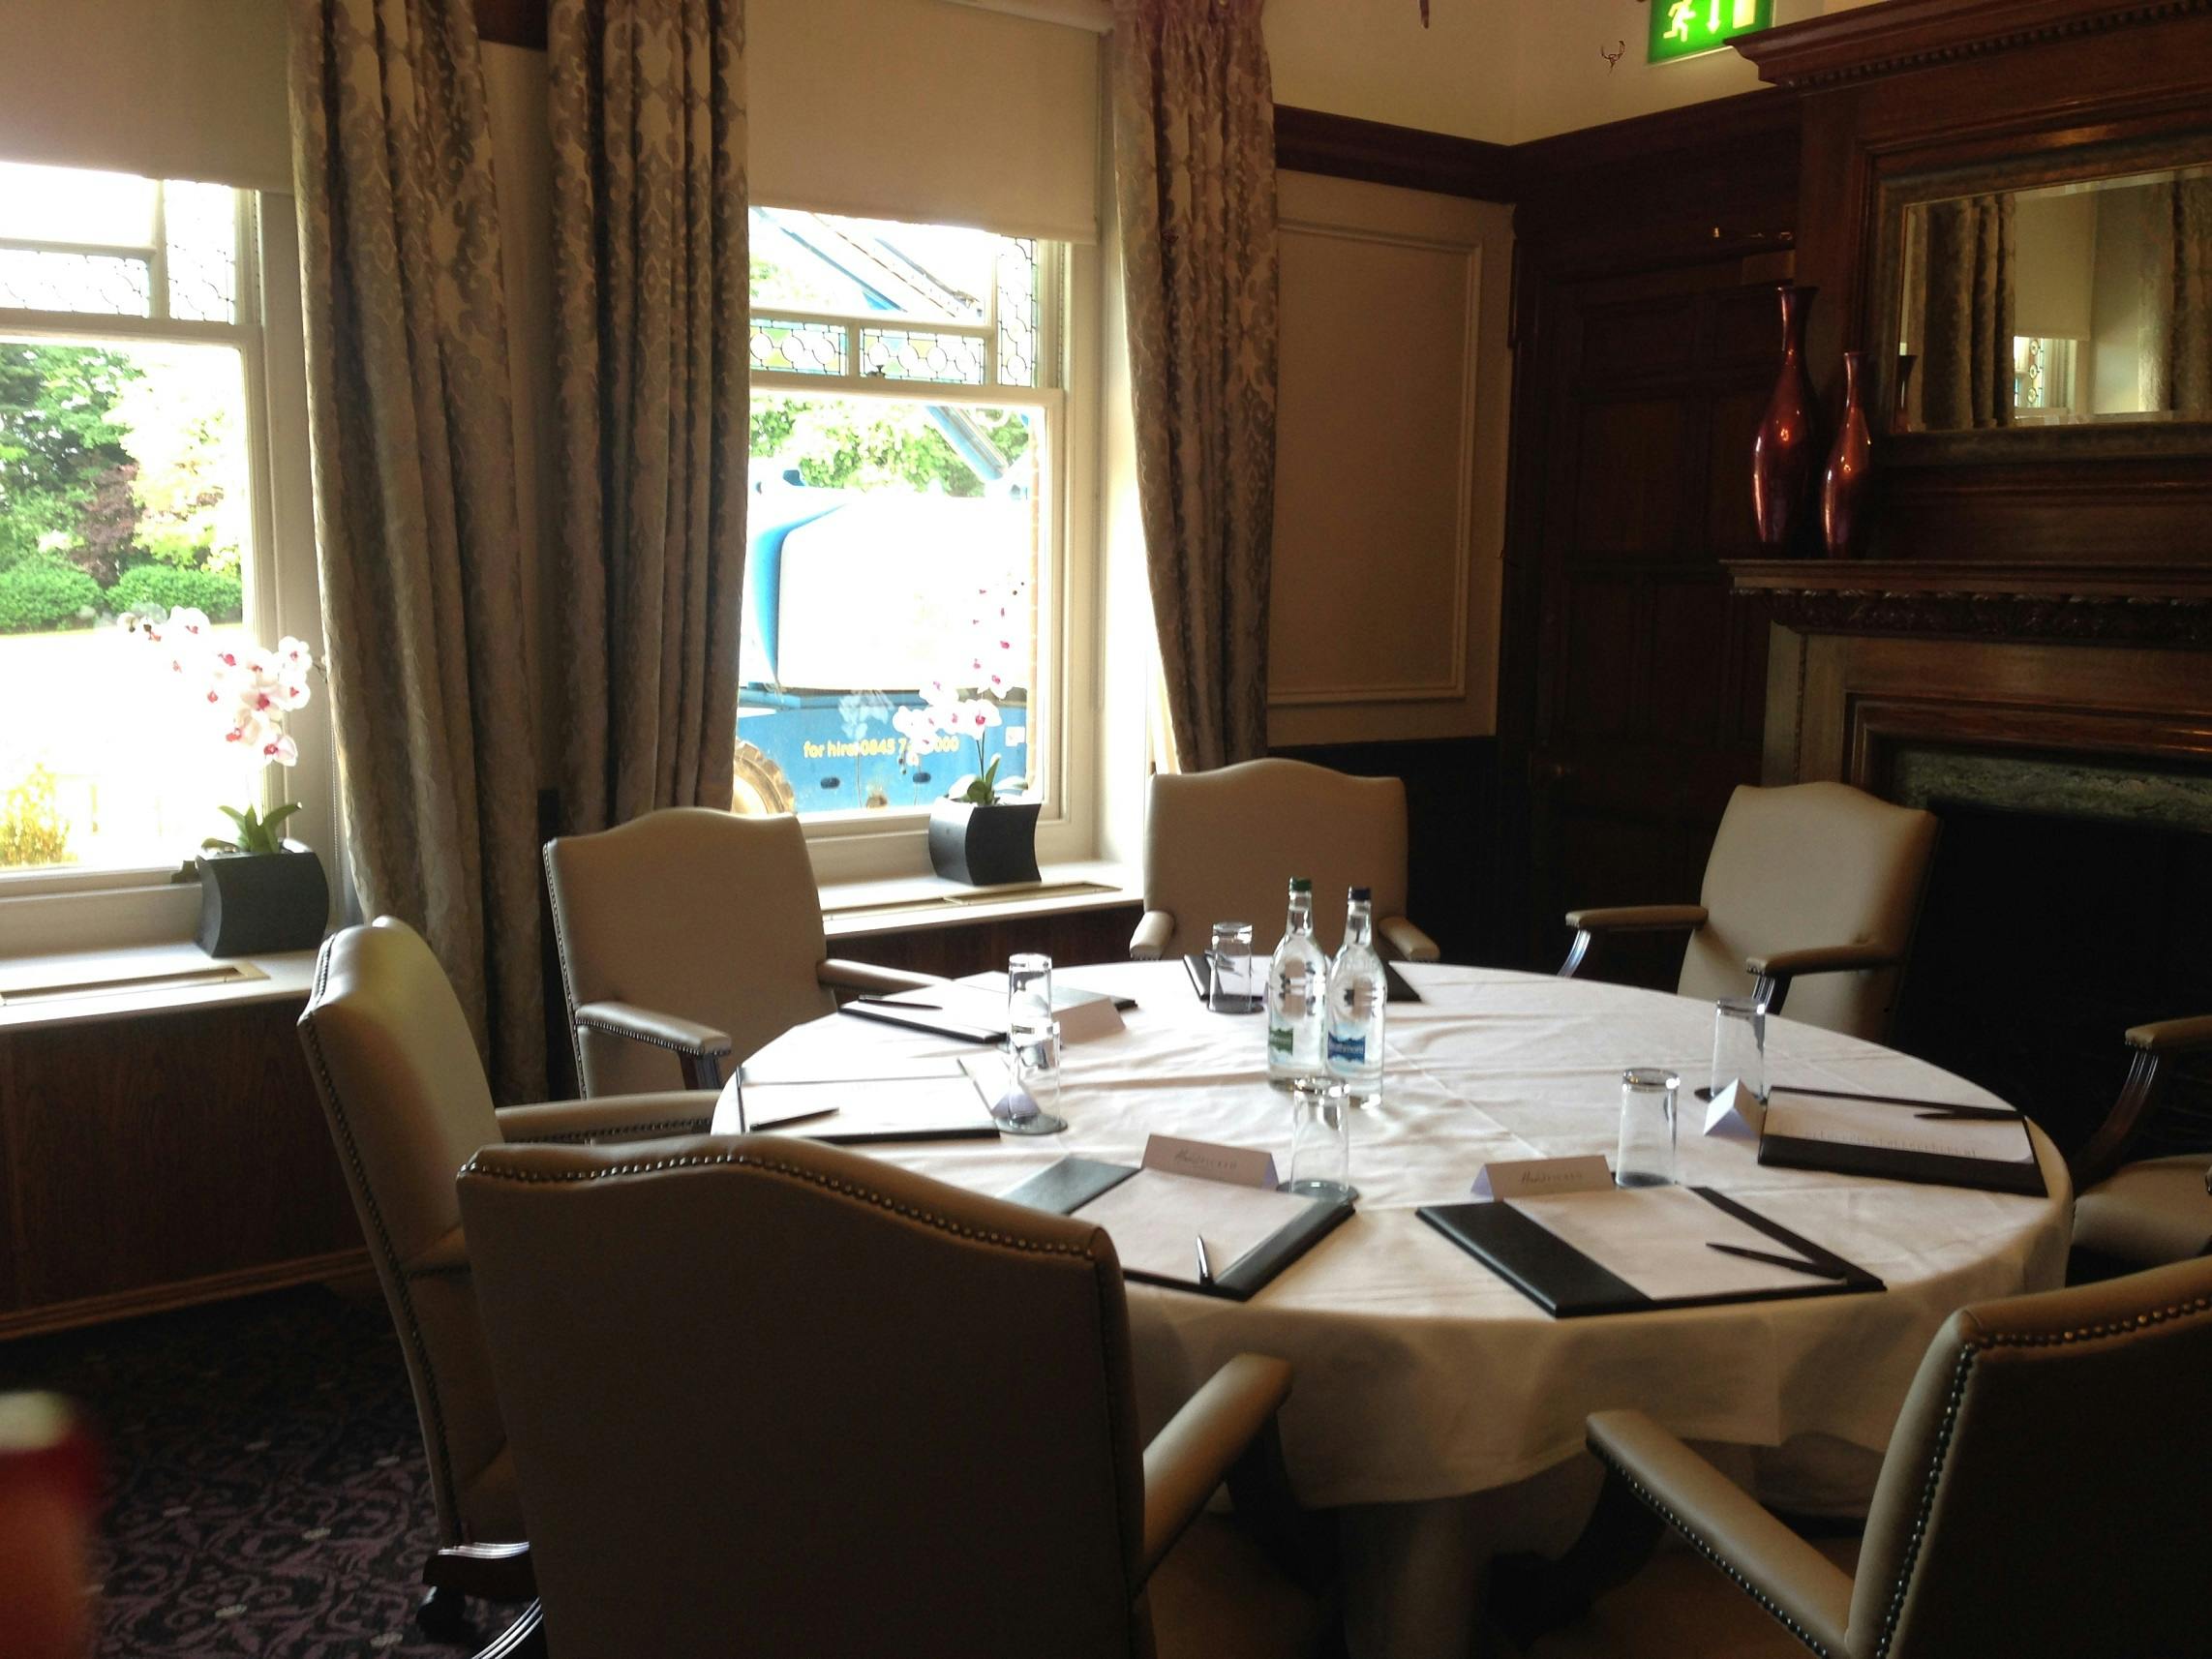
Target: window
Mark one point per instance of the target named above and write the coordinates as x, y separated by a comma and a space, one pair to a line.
136, 478
2043, 378
906, 618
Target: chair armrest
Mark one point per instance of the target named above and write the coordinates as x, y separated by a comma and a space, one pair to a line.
1191, 1457
1782, 1573
610, 1117
2172, 1036
700, 1048
1776, 970
842, 975
1153, 931
448, 1252
1408, 941
1587, 924
494, 1572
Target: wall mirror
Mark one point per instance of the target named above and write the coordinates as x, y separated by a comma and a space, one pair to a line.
2080, 303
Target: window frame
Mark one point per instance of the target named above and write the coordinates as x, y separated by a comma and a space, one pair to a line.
859, 844
113, 906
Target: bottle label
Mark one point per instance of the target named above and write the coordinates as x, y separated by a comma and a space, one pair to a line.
1278, 1041
1348, 1048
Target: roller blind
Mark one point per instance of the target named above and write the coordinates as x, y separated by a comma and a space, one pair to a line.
924, 110
190, 89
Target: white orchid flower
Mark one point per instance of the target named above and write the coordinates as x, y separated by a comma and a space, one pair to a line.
184, 620
282, 750
978, 713
295, 655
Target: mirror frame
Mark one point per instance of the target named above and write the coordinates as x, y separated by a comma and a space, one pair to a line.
1895, 193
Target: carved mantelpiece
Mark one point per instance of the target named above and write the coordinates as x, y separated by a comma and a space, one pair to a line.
1972, 600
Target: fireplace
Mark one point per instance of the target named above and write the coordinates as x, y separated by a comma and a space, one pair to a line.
2070, 763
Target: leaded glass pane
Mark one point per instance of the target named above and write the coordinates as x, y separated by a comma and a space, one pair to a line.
919, 354
1018, 343
113, 285
798, 348
203, 225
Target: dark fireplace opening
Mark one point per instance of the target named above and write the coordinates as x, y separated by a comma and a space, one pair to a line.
2066, 904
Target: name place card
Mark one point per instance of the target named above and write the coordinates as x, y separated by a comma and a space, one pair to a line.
1238, 1165
1736, 1114
1543, 1177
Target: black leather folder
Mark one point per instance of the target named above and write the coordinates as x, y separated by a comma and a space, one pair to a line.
1568, 1285
923, 1016
1400, 991
1074, 1182
1889, 1163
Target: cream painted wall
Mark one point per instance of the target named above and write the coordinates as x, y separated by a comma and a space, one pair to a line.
1390, 463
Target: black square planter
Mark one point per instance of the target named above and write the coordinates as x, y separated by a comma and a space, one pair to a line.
252, 904
985, 846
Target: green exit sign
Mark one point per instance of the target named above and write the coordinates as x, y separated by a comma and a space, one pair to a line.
1684, 29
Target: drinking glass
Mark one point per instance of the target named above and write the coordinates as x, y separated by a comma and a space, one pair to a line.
1739, 1046
1646, 1154
1320, 1140
1228, 968
1032, 1050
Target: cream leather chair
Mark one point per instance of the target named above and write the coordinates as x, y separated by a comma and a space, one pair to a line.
687, 937
1223, 845
1810, 879
874, 1414
2028, 1506
408, 1102
2129, 1216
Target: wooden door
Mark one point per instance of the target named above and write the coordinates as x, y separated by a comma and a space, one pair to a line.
1647, 685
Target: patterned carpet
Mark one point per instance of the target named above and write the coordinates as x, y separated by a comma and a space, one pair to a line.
269, 1492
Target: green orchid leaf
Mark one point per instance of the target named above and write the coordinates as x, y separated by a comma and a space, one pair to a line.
278, 814
217, 844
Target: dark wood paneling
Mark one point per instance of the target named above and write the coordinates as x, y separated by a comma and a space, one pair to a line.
1343, 146
978, 947
1916, 34
161, 1158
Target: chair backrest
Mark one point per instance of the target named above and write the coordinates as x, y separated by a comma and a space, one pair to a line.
2044, 1488
1806, 866
775, 1398
704, 915
405, 1091
1223, 846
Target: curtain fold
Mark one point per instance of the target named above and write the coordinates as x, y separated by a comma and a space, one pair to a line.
2175, 367
1966, 372
1193, 124
414, 489
652, 282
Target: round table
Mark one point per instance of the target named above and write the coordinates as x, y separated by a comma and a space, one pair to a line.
1420, 1375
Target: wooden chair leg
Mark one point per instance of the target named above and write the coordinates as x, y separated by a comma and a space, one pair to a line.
525, 1639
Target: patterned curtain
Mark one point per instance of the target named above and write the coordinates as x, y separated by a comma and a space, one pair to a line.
2175, 369
1194, 123
652, 281
415, 490
1966, 376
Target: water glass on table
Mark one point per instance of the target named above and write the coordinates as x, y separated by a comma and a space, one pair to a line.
1320, 1140
1739, 1046
1646, 1154
1228, 968
1032, 1050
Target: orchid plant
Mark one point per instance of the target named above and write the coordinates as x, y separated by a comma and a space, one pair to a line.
965, 699
249, 692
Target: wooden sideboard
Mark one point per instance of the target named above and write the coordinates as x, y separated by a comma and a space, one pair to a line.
151, 1161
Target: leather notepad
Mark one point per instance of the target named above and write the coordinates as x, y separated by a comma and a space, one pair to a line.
1070, 1185
1569, 1284
938, 1019
1400, 991
1892, 1143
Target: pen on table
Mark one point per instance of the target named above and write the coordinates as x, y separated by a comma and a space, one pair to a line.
1795, 1263
1206, 1267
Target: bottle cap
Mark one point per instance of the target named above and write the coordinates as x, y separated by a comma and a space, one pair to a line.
1300, 883
1362, 896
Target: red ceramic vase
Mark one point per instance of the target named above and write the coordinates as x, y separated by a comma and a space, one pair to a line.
1843, 487
1782, 455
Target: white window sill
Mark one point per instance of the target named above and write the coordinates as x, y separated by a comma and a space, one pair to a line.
76, 987
860, 909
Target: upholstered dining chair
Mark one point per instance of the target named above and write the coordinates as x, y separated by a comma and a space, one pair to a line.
1812, 879
873, 1415
1224, 844
2028, 1504
2155, 1210
687, 939
408, 1101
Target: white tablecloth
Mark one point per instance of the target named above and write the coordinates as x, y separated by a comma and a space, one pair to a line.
1420, 1375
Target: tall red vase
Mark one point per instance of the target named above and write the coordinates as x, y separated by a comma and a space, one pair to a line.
1784, 455
1844, 486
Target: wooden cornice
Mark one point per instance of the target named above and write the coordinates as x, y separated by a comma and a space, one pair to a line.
2086, 604
1344, 146
1901, 35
